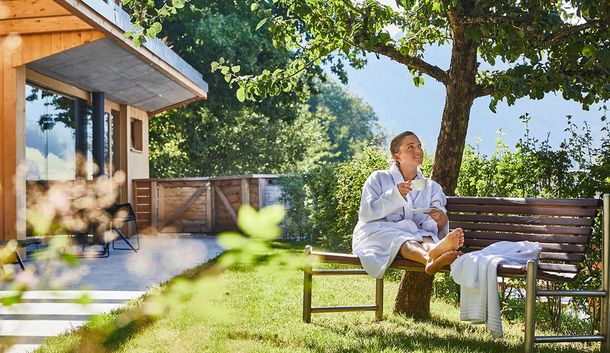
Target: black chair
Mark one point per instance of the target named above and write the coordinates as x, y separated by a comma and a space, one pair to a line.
129, 217
98, 239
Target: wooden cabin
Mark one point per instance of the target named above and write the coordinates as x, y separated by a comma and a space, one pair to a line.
72, 84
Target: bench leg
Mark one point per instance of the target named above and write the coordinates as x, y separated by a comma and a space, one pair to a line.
307, 284
530, 306
379, 299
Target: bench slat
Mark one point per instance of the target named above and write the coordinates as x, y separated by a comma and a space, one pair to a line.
558, 256
550, 271
589, 203
559, 221
549, 247
523, 210
517, 228
542, 238
545, 255
519, 271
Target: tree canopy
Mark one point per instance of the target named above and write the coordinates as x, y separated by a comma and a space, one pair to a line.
543, 46
221, 135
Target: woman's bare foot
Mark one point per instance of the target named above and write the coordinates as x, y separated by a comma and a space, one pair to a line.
452, 241
434, 265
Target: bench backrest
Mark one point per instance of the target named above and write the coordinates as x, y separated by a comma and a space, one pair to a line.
561, 226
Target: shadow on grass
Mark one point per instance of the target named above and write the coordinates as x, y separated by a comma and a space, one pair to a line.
464, 339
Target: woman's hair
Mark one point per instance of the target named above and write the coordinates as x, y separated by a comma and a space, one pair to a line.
395, 144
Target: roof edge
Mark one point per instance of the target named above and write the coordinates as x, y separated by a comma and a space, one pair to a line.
116, 16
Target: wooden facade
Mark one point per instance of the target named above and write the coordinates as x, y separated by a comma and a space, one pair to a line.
32, 30
199, 205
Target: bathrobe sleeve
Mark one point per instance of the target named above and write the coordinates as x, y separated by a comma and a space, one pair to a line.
377, 203
437, 200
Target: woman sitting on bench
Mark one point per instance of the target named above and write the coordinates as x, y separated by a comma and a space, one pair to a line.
402, 211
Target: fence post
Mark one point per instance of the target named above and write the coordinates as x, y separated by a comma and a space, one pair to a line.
154, 208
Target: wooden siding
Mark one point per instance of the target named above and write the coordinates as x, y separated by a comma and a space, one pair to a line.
196, 205
15, 52
137, 161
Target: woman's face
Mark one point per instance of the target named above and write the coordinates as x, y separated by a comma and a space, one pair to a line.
410, 152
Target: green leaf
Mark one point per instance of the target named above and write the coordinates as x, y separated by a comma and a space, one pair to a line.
157, 27
261, 225
70, 259
254, 6
84, 299
231, 240
274, 214
236, 68
11, 299
178, 4
154, 29
588, 50
241, 94
261, 23
418, 81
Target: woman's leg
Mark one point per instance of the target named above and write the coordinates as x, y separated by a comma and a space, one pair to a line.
452, 241
413, 250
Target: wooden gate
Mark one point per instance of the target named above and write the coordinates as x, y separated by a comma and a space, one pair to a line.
199, 205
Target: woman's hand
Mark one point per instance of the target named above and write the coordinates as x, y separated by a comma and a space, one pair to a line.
404, 188
439, 217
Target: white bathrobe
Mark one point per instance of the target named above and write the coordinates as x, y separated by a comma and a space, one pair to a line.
386, 219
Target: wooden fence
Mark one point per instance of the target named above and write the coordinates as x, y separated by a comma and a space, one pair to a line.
199, 205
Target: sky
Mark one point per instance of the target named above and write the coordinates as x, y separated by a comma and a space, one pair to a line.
388, 88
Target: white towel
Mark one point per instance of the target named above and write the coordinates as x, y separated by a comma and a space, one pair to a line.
476, 273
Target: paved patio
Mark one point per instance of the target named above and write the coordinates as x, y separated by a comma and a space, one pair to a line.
108, 282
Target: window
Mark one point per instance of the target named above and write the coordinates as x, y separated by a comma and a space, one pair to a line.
136, 134
51, 123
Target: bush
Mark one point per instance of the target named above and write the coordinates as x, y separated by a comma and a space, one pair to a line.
324, 201
578, 168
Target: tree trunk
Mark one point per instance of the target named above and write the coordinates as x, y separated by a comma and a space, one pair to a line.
413, 298
454, 126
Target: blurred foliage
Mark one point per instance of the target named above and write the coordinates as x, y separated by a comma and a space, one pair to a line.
243, 250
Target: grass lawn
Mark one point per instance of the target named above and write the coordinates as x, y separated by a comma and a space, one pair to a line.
260, 310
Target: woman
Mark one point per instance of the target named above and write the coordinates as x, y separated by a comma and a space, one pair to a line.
389, 220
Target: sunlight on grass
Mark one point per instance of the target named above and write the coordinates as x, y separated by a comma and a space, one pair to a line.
261, 312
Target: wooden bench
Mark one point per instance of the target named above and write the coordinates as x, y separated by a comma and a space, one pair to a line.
561, 226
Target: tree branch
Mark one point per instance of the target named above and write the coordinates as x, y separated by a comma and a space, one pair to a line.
413, 63
526, 25
554, 37
482, 90
410, 61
